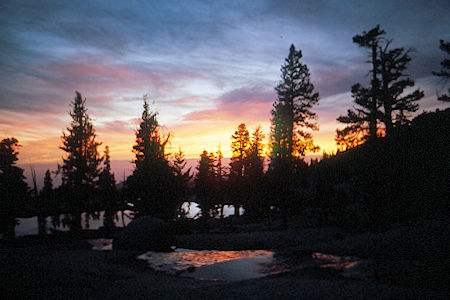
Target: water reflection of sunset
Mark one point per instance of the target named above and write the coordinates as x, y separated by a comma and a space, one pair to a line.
206, 258
348, 266
183, 258
211, 264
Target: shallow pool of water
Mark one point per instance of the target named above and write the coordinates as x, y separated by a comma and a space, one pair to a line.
101, 244
212, 264
245, 264
347, 266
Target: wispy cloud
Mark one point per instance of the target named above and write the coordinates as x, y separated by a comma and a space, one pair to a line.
244, 104
206, 65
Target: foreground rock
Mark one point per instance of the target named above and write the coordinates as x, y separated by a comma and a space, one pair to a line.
145, 234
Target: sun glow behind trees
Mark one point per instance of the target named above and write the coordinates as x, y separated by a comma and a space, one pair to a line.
208, 67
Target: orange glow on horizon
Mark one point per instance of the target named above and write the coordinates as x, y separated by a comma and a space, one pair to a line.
192, 138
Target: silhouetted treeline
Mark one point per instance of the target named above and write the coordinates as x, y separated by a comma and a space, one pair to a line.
394, 168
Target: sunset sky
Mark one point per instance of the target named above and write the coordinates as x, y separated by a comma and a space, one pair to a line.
206, 65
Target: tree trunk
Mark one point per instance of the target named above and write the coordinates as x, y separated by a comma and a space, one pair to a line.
42, 225
76, 226
388, 117
373, 106
10, 232
123, 218
387, 103
284, 219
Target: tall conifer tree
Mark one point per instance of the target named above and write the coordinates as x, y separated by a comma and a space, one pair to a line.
220, 182
13, 188
38, 205
359, 120
384, 101
445, 69
240, 144
182, 177
152, 186
397, 105
205, 184
80, 168
292, 117
48, 200
108, 193
291, 137
255, 154
254, 204
362, 120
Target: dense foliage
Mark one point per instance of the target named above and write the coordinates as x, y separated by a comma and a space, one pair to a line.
13, 189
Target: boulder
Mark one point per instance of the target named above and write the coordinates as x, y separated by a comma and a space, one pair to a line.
145, 234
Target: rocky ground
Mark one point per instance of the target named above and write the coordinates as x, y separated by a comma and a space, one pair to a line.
407, 262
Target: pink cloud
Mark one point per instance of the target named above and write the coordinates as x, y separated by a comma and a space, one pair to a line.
119, 126
241, 105
187, 101
99, 78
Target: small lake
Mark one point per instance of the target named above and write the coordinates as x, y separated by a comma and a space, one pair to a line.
29, 226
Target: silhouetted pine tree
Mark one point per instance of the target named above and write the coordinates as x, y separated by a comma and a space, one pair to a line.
362, 120
392, 64
255, 204
386, 91
179, 164
152, 186
205, 184
220, 182
371, 40
47, 199
13, 188
255, 154
445, 69
291, 138
358, 119
80, 168
182, 177
48, 184
240, 143
292, 114
108, 192
38, 205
